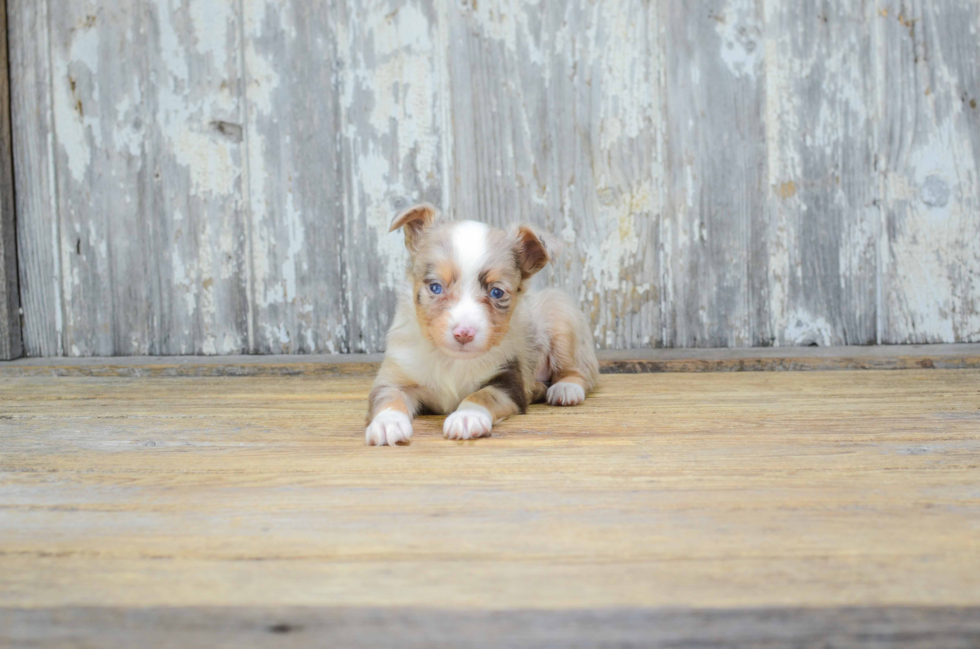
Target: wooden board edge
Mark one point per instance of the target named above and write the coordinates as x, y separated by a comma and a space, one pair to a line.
792, 364
896, 357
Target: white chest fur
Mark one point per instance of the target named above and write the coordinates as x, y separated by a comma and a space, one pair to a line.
447, 380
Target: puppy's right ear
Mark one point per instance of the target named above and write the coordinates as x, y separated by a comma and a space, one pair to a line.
415, 220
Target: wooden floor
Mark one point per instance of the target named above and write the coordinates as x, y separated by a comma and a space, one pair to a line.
701, 509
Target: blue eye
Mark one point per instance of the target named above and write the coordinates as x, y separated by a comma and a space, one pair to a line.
435, 288
496, 293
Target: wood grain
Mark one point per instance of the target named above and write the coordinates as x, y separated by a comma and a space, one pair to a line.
193, 248
217, 178
822, 188
558, 121
38, 248
714, 230
11, 345
697, 491
296, 194
929, 149
148, 171
95, 60
395, 149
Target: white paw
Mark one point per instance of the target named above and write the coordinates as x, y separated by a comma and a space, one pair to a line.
389, 427
565, 394
472, 422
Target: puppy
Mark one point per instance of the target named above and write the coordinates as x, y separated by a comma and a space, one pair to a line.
468, 339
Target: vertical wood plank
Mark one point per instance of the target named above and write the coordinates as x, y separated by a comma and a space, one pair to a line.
558, 121
145, 102
192, 182
821, 192
38, 254
929, 146
716, 268
11, 345
96, 60
296, 200
394, 143
218, 177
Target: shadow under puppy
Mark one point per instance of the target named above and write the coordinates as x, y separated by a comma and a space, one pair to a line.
469, 339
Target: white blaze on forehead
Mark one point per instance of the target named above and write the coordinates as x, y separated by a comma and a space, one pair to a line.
470, 248
469, 241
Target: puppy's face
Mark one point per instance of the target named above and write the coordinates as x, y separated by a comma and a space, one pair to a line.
467, 278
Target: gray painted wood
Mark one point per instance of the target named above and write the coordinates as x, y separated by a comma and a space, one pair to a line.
714, 229
558, 116
11, 345
345, 126
38, 249
296, 210
929, 155
821, 215
394, 100
193, 234
148, 234
217, 178
95, 63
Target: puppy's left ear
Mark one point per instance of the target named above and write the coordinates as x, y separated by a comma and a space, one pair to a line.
415, 220
535, 249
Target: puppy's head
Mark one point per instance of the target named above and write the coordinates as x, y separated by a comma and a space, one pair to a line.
467, 277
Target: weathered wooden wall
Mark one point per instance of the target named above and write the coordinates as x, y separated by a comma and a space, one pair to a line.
212, 177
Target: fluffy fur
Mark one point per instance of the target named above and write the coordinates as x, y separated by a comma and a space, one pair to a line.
468, 339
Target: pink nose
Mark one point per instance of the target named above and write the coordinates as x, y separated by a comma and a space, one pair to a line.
464, 335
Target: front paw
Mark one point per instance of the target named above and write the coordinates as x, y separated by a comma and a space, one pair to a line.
565, 393
389, 427
468, 423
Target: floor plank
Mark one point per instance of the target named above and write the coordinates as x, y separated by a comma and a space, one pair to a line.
420, 628
827, 491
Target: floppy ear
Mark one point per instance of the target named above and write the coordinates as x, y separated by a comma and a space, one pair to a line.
534, 250
414, 219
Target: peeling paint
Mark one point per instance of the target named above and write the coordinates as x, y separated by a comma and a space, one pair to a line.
210, 165
627, 94
258, 204
74, 128
297, 242
210, 22
929, 259
742, 46
183, 283
804, 329
373, 171
263, 80
395, 74
818, 128
783, 106
506, 22
605, 259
